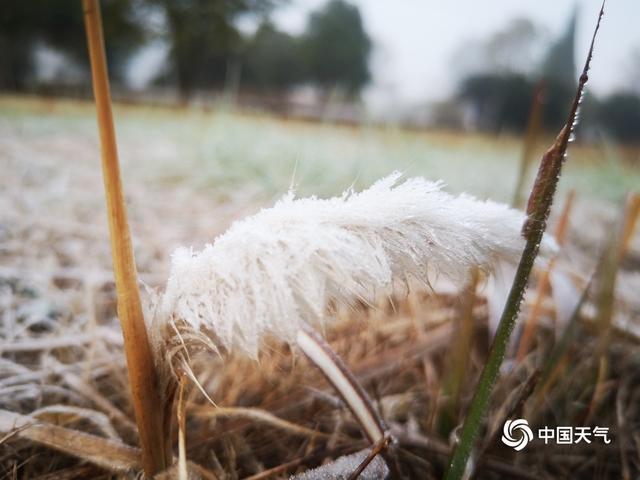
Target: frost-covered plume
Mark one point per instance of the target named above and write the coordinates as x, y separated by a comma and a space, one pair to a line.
274, 272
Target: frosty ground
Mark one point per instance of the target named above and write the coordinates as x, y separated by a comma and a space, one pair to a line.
188, 174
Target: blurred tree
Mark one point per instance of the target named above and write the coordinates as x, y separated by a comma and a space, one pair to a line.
502, 101
620, 114
556, 101
559, 76
337, 47
512, 50
499, 92
498, 102
59, 25
497, 88
634, 70
559, 66
516, 48
204, 40
273, 59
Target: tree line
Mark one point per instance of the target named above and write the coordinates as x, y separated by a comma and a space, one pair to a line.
207, 50
206, 46
502, 76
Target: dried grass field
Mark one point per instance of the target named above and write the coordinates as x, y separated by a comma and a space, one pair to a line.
65, 406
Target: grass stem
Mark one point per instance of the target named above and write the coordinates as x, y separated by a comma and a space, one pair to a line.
141, 369
337, 373
538, 209
459, 359
354, 396
544, 282
632, 213
534, 124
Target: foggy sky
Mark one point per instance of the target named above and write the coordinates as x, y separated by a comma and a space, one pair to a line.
415, 39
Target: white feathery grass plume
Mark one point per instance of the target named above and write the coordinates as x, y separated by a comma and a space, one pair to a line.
274, 272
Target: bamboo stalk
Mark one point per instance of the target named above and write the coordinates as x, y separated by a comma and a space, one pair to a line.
142, 375
539, 206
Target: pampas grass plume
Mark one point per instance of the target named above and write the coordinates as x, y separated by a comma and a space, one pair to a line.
273, 272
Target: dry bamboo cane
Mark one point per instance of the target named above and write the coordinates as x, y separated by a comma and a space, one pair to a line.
142, 374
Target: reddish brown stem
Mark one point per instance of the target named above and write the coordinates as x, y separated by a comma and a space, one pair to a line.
531, 324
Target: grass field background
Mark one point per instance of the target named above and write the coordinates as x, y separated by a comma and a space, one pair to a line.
229, 155
187, 175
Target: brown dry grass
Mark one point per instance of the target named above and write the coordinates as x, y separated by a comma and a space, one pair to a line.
64, 398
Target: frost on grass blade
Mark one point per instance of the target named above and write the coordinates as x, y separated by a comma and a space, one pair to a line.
271, 273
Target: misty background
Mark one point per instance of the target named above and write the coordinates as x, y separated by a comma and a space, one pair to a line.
457, 65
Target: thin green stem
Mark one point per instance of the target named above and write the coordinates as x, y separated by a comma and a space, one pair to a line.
538, 209
491, 369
